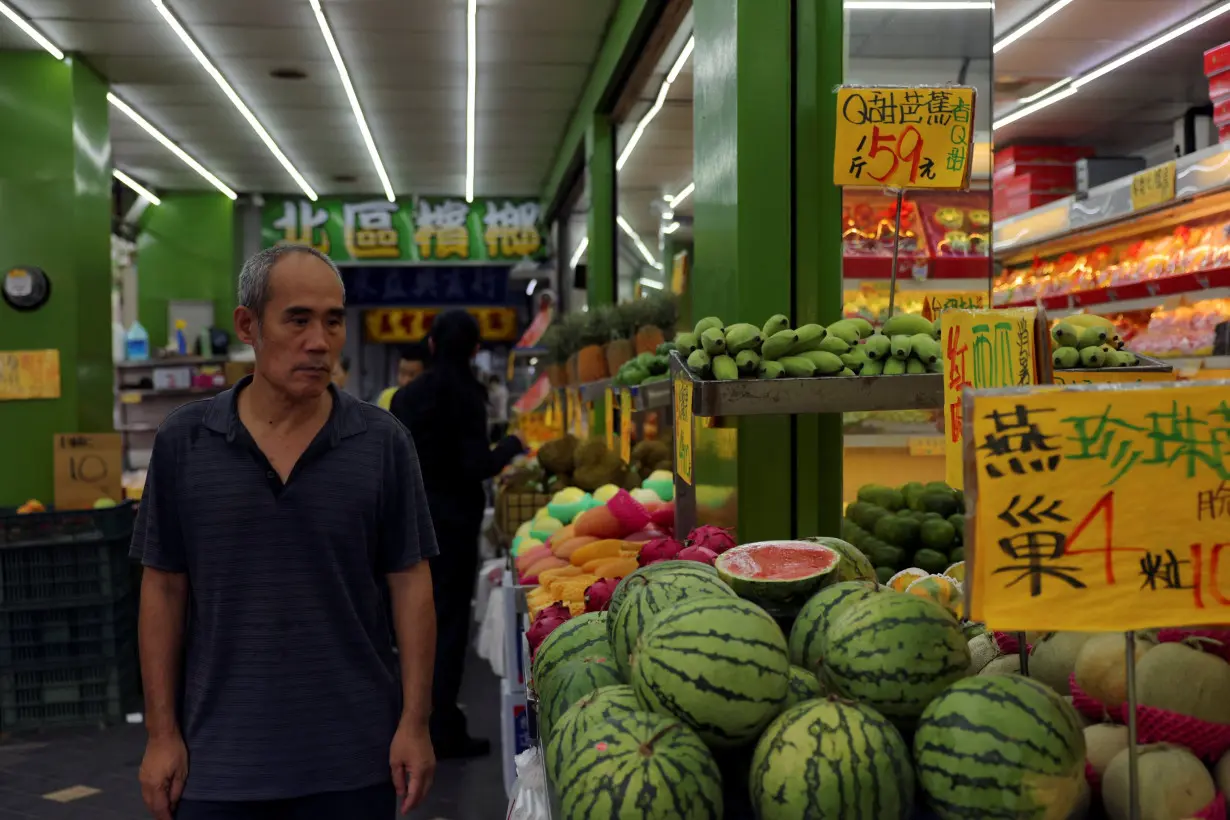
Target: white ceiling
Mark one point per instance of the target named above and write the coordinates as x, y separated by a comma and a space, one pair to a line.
1125, 111
407, 59
919, 35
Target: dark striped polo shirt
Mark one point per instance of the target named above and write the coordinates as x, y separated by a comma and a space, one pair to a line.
290, 684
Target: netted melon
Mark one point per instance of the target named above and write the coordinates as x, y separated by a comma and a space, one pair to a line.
1102, 742
1101, 668
1184, 680
1003, 665
982, 650
1054, 659
1173, 783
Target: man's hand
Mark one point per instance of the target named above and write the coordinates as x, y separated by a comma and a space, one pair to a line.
412, 759
164, 770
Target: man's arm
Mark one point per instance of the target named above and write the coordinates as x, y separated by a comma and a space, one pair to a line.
414, 623
164, 603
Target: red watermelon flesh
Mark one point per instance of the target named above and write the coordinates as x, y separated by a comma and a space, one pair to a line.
777, 571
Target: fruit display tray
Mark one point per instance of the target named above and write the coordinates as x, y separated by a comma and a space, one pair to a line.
1147, 364
652, 396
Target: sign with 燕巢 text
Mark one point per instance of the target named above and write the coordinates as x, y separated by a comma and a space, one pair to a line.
904, 137
1099, 509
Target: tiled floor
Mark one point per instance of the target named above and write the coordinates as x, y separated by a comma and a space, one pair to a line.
107, 760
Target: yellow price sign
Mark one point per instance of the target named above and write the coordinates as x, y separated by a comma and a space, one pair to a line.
29, 374
1154, 186
572, 403
935, 303
982, 349
609, 412
683, 427
1070, 532
926, 446
904, 137
1112, 375
625, 426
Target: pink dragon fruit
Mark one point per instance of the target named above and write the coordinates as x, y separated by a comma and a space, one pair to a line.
713, 538
598, 594
660, 549
697, 553
664, 516
628, 511
647, 534
546, 622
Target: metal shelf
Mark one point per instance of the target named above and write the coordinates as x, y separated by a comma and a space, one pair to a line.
173, 361
593, 391
652, 396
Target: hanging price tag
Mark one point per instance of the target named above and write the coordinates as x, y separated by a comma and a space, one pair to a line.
609, 408
683, 427
625, 426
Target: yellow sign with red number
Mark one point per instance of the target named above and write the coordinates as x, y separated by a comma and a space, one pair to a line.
1100, 509
905, 137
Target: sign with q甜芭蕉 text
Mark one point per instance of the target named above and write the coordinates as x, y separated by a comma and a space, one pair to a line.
415, 229
904, 137
1099, 508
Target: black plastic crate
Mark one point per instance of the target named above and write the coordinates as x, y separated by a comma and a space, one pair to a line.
66, 526
88, 633
68, 695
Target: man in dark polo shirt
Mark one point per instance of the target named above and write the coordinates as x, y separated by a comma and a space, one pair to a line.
272, 516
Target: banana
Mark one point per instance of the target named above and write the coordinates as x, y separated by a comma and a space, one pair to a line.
864, 327
846, 331
1090, 320
699, 363
936, 366
913, 365
798, 367
906, 324
845, 371
771, 370
779, 344
776, 324
826, 363
1115, 359
1130, 357
685, 343
878, 347
1065, 334
902, 346
707, 323
853, 362
713, 341
1065, 358
833, 344
925, 348
936, 329
724, 368
873, 367
894, 366
1091, 337
748, 362
1092, 357
810, 337
742, 336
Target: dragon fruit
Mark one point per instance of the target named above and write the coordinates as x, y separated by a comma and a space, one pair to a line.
628, 511
546, 622
713, 538
664, 516
660, 549
697, 553
598, 594
647, 534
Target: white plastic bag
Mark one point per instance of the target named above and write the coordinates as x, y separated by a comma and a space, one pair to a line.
529, 796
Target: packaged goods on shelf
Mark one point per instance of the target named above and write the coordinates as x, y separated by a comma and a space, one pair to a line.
943, 235
1187, 330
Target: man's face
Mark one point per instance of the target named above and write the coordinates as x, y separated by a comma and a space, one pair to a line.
408, 370
300, 337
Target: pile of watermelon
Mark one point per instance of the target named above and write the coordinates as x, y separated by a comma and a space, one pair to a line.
868, 706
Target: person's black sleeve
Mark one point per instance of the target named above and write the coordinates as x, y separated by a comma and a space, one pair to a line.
157, 539
406, 532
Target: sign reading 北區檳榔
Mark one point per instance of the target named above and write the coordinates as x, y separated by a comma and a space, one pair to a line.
415, 229
904, 137
1099, 508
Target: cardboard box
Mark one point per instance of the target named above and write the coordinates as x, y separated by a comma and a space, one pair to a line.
1217, 60
88, 467
1034, 154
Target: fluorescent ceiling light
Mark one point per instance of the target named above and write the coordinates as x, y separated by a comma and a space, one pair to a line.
137, 187
170, 146
920, 5
671, 228
674, 201
1049, 89
239, 104
636, 240
651, 283
660, 101
31, 32
355, 108
471, 85
579, 252
529, 289
1029, 25
1022, 113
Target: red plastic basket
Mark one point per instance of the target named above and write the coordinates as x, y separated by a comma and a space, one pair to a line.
1008, 644
1208, 741
1091, 707
1222, 649
1215, 810
1092, 778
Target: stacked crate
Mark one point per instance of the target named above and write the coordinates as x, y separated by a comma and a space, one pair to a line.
1217, 69
1030, 176
68, 618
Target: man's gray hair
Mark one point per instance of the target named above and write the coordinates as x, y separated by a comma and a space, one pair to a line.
254, 277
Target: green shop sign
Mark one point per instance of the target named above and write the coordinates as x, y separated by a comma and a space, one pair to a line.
415, 229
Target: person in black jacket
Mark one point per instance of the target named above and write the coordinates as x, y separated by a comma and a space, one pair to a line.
445, 411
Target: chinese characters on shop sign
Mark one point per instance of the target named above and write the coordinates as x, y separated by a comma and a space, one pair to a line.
1101, 509
683, 427
910, 137
936, 303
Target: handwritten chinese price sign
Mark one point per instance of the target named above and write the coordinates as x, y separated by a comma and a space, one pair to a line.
683, 427
936, 303
29, 374
1154, 186
608, 408
982, 348
625, 426
903, 137
1113, 375
1101, 509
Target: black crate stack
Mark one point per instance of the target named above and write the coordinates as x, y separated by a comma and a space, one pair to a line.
68, 618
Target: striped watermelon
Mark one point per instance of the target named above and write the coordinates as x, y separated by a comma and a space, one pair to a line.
1001, 746
571, 681
644, 601
640, 766
854, 565
895, 653
807, 634
582, 716
583, 635
717, 663
653, 574
832, 758
803, 686
777, 573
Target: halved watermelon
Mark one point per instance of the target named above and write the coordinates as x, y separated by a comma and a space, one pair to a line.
777, 572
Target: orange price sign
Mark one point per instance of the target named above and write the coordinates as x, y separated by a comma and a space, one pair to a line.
904, 137
609, 412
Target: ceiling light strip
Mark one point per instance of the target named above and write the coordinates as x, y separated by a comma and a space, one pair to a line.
658, 102
471, 89
645, 281
687, 191
920, 5
170, 146
136, 187
239, 104
582, 246
1022, 113
636, 240
1030, 24
355, 107
31, 32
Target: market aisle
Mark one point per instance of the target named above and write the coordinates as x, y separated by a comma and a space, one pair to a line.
107, 761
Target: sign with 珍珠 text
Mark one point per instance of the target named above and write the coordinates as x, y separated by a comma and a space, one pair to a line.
904, 137
1100, 509
415, 229
982, 349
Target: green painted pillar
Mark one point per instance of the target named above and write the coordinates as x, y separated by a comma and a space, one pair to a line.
600, 164
55, 209
186, 250
819, 44
744, 228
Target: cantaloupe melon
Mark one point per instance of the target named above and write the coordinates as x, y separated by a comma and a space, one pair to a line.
1102, 742
982, 650
1053, 659
1173, 784
1221, 774
1101, 667
1003, 665
1185, 680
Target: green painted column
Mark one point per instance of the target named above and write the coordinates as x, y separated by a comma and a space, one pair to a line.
55, 209
600, 164
819, 44
744, 227
186, 250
